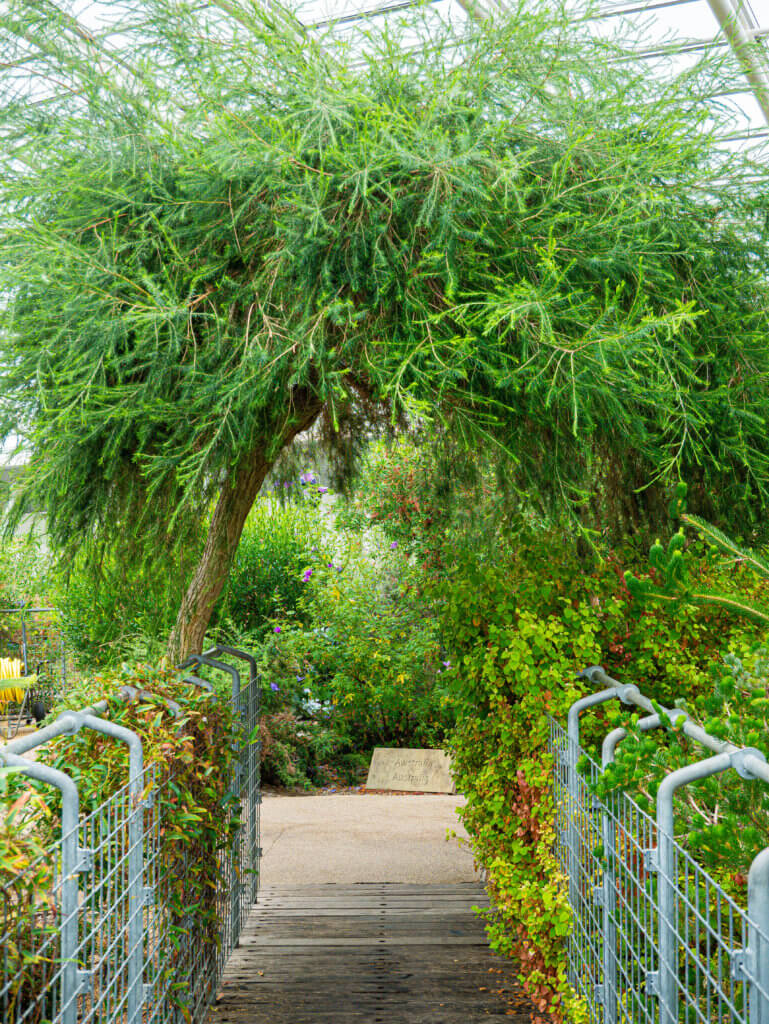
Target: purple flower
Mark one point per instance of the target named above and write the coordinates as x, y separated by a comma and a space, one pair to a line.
274, 687
287, 484
322, 490
299, 679
307, 574
394, 545
277, 629
446, 664
330, 565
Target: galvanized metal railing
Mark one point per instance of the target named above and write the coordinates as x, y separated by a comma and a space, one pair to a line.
95, 944
655, 940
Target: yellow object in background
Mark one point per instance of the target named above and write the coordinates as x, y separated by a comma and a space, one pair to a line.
12, 685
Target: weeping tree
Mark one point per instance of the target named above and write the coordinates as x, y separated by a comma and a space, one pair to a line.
220, 229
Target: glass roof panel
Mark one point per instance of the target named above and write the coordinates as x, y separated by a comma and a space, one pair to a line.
670, 34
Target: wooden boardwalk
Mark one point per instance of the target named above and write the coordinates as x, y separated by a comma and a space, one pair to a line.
395, 954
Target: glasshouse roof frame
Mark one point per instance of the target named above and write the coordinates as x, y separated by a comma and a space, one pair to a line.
738, 28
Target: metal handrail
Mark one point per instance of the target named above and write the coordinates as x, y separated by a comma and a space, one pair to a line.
751, 964
76, 861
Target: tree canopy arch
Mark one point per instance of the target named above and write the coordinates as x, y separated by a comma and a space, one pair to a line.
216, 229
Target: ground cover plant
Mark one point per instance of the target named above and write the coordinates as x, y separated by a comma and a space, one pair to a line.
531, 241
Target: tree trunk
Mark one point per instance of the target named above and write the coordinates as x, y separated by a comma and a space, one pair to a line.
235, 501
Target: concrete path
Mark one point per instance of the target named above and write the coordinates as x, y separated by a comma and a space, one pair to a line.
362, 838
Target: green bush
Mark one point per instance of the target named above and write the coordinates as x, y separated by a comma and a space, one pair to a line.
118, 610
303, 753
366, 645
266, 579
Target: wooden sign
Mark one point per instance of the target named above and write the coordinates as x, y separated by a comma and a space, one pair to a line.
416, 771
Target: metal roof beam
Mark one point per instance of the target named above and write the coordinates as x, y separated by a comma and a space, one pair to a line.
739, 30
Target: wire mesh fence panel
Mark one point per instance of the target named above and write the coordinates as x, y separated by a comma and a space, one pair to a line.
627, 906
109, 905
30, 943
709, 930
631, 910
111, 935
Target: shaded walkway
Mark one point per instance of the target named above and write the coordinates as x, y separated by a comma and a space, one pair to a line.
377, 952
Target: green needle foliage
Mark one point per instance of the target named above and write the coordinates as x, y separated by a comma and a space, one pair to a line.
217, 227
676, 580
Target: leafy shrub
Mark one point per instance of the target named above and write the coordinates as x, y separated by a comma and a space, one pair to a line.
306, 753
266, 579
366, 644
26, 896
516, 668
510, 815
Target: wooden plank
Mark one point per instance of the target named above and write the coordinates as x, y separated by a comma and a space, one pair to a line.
375, 953
257, 921
365, 888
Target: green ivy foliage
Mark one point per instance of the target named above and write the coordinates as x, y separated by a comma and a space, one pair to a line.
517, 668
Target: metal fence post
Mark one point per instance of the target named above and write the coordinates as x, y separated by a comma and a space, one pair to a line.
572, 824
608, 754
664, 982
135, 987
758, 937
71, 860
